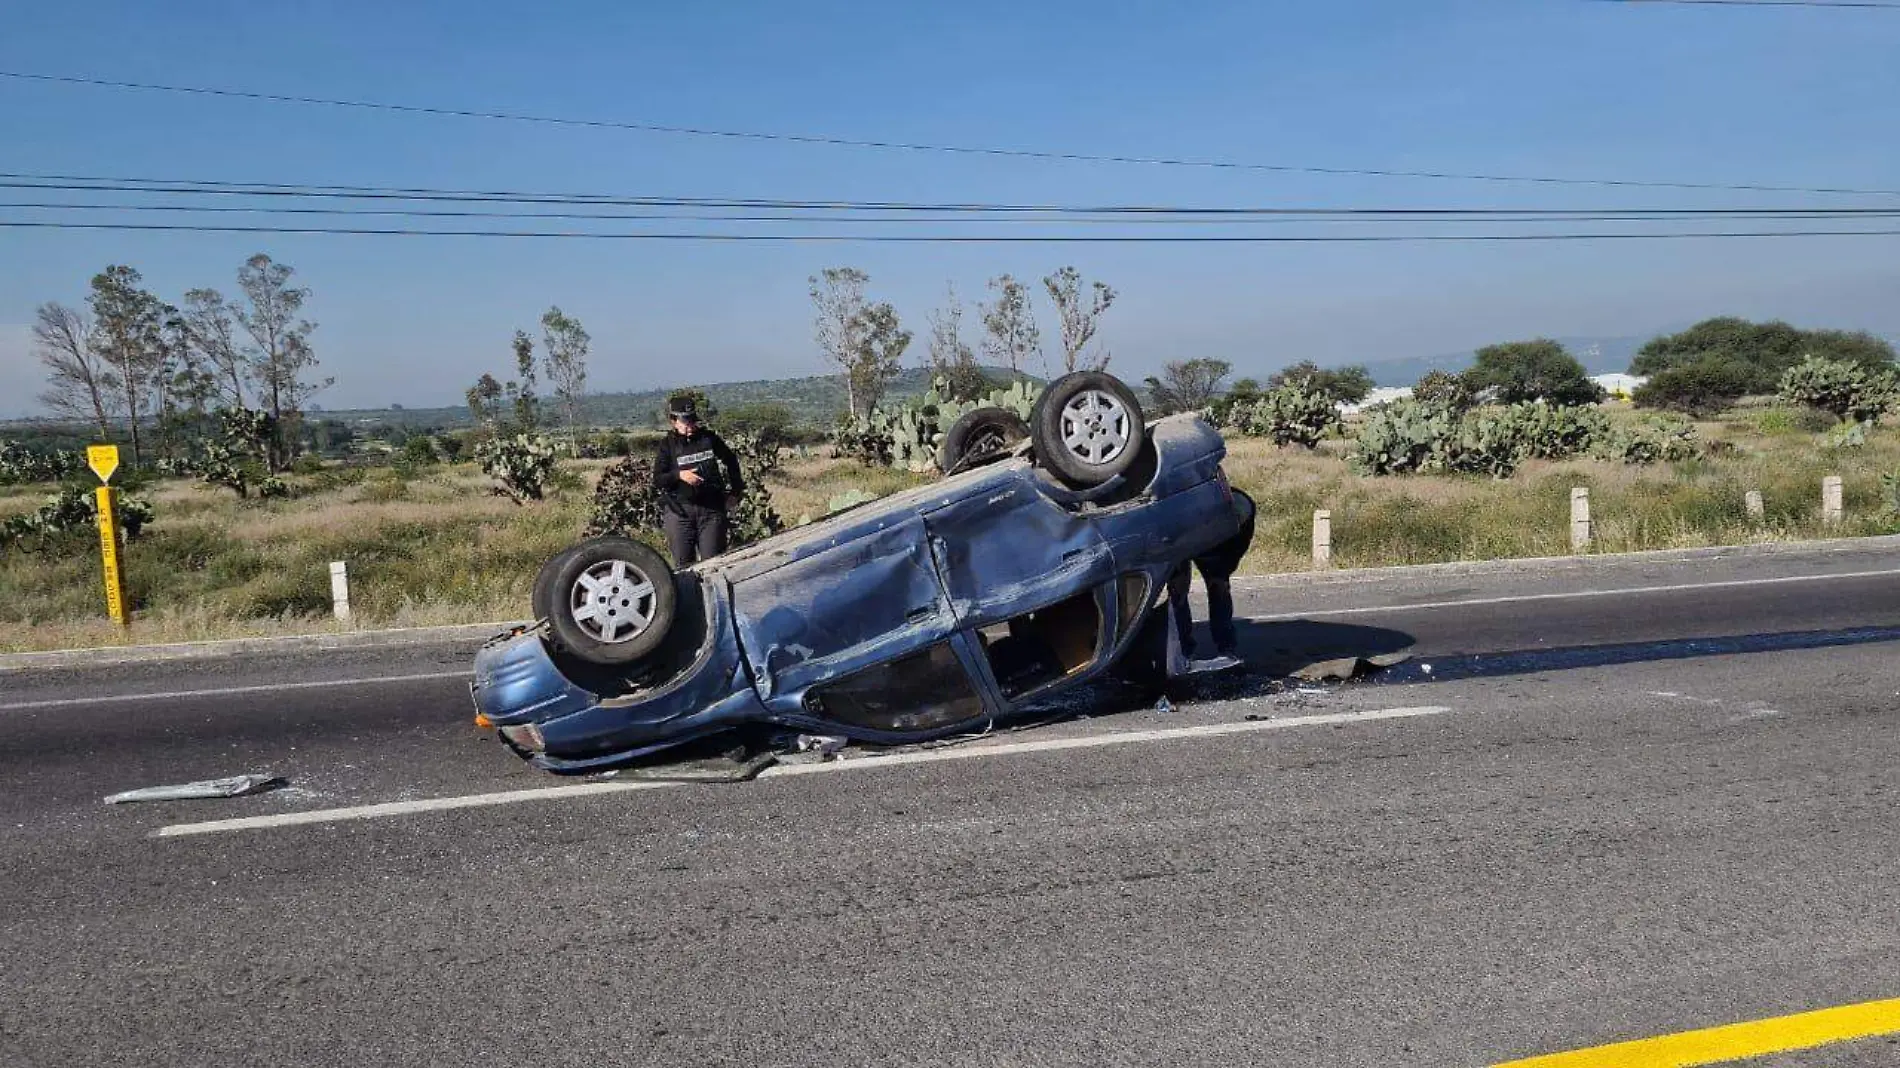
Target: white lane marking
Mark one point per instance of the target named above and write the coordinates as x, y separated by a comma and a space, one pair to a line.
868, 763
276, 687
1619, 592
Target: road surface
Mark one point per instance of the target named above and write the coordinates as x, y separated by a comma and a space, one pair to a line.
1625, 801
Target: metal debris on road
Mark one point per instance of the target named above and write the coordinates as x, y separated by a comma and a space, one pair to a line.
235, 786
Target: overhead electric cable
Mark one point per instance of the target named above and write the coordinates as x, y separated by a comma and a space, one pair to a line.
907, 146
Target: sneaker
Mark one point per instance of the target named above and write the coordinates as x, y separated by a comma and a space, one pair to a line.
1223, 662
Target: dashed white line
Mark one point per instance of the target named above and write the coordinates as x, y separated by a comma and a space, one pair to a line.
221, 691
868, 763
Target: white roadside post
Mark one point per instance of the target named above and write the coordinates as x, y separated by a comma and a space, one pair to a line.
1753, 501
340, 589
1322, 538
1579, 517
1831, 499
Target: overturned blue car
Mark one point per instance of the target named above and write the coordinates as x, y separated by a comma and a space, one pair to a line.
1034, 565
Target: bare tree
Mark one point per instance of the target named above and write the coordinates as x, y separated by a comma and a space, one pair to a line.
565, 358
837, 293
1079, 316
211, 331
81, 382
1010, 324
280, 353
127, 335
950, 358
880, 354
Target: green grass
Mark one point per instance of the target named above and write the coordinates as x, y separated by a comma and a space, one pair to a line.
430, 544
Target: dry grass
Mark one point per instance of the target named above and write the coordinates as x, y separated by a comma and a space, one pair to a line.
433, 546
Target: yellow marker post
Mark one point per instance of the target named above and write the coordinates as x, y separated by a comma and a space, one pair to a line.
104, 461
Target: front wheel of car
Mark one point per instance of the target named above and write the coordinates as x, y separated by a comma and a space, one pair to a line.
1088, 427
613, 600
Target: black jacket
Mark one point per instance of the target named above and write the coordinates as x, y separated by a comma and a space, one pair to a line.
1224, 559
705, 453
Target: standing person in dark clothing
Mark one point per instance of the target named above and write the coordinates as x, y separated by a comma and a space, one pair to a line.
694, 492
1217, 567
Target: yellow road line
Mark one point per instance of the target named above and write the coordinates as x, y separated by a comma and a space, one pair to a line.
1733, 1042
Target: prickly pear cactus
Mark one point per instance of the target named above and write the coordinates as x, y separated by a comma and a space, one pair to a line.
908, 436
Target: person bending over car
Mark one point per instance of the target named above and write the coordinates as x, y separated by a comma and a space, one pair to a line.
694, 492
1217, 567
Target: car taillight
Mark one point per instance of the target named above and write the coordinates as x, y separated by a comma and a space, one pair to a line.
525, 735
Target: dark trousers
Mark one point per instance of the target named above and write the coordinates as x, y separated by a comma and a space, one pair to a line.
1220, 609
694, 533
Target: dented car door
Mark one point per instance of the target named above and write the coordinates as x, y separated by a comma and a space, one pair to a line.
1014, 549
829, 613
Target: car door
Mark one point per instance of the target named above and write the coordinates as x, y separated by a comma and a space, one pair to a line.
873, 597
1013, 549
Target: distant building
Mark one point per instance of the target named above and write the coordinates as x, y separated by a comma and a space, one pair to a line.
1619, 386
1381, 395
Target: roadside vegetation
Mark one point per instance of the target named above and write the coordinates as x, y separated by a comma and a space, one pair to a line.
237, 494
432, 543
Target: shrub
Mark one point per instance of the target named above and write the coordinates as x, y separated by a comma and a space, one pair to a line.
520, 465
624, 500
1655, 440
1700, 389
68, 512
1445, 389
1402, 437
18, 464
1846, 390
419, 450
908, 436
1289, 415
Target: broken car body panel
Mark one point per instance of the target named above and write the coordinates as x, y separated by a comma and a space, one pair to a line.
906, 618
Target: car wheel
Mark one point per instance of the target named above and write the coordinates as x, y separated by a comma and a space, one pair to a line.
985, 430
614, 600
1088, 427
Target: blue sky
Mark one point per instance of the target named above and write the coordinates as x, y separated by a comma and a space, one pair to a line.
1556, 87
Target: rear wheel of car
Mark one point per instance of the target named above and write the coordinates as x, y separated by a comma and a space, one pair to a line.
979, 433
1087, 427
613, 600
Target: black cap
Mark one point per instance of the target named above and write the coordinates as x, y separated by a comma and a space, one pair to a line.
681, 406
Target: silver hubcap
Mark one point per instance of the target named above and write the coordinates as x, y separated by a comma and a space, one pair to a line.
612, 601
1095, 426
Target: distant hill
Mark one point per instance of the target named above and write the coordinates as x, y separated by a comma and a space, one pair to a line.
1599, 355
816, 400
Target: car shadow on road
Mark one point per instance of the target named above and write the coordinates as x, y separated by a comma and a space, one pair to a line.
1538, 661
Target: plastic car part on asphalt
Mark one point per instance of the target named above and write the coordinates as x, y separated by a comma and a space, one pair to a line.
234, 786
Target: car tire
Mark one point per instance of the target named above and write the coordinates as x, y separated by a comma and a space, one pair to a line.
612, 600
985, 430
1087, 427
544, 599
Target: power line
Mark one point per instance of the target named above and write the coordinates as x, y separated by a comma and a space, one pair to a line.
913, 146
1489, 216
1886, 5
280, 191
951, 238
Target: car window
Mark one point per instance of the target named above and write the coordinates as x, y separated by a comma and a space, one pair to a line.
927, 689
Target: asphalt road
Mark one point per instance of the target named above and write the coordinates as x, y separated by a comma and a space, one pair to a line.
1625, 801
